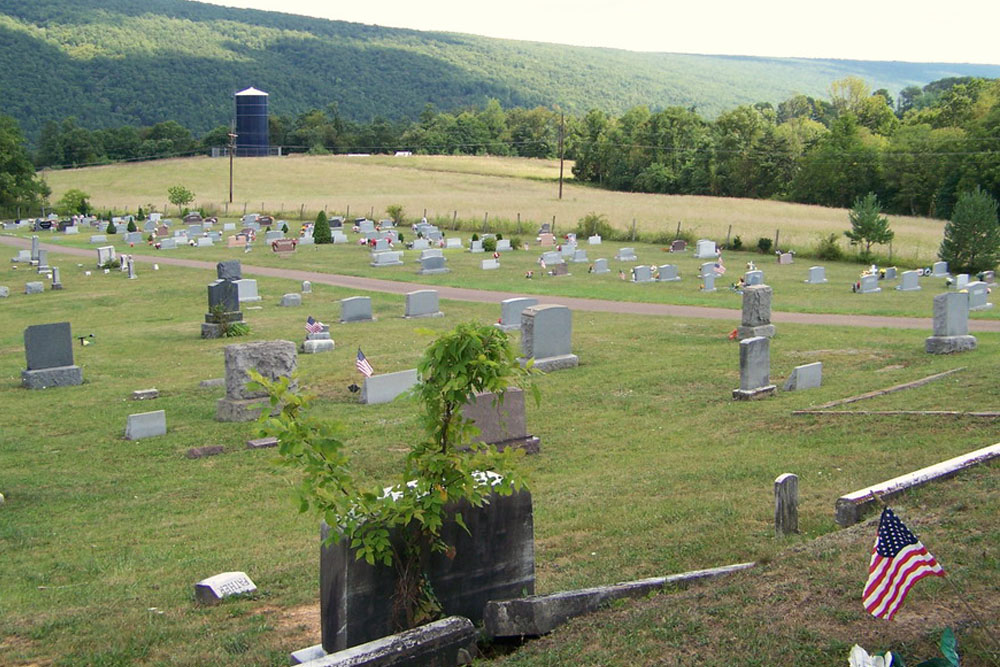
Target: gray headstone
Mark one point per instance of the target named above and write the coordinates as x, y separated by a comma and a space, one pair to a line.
205, 241
551, 257
708, 283
99, 238
546, 337
476, 246
500, 423
752, 278
291, 300
453, 242
272, 359
580, 256
807, 376
431, 252
195, 230
4, 291
48, 346
34, 247
247, 290
489, 264
503, 245
594, 240
229, 270
786, 258
511, 309
642, 274
423, 303
433, 264
890, 273
133, 237
601, 266
381, 245
706, 269
668, 273
568, 250
979, 293
705, 249
168, 244
755, 368
869, 285
34, 287
961, 280
626, 255
910, 281
387, 258
356, 309
384, 388
786, 505
307, 287
939, 269
215, 588
817, 275
146, 425
757, 305
951, 314
421, 244
43, 260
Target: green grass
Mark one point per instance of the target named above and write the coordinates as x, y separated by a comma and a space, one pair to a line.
647, 467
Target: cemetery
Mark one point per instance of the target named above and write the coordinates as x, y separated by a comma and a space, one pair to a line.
637, 423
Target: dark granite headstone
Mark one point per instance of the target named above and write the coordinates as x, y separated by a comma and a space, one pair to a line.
48, 346
224, 293
229, 270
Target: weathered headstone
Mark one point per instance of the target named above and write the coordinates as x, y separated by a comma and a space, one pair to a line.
433, 264
215, 588
668, 273
34, 248
272, 359
951, 325
626, 255
806, 376
22, 256
501, 423
290, 300
307, 287
601, 266
910, 281
510, 312
756, 319
34, 287
56, 279
356, 309
146, 425
48, 350
386, 387
229, 270
817, 275
705, 249
224, 305
979, 294
43, 261
4, 291
786, 505
131, 268
755, 369
546, 337
423, 303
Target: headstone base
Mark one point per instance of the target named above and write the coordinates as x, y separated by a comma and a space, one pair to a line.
949, 344
304, 655
60, 376
714, 289
426, 272
549, 364
240, 410
396, 263
670, 280
508, 327
874, 290
211, 330
531, 444
766, 330
437, 314
317, 346
985, 306
753, 394
57, 286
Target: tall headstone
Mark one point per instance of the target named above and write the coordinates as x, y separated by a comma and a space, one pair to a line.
705, 249
817, 275
34, 248
272, 359
56, 279
755, 369
223, 308
43, 261
786, 505
48, 349
510, 312
910, 281
708, 283
546, 337
756, 312
423, 303
951, 325
356, 309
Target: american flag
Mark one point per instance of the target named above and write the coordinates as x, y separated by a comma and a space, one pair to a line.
363, 366
899, 560
313, 326
719, 269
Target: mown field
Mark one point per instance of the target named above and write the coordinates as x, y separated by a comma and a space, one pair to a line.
647, 468
469, 188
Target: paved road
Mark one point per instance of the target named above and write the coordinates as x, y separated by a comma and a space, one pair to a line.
486, 296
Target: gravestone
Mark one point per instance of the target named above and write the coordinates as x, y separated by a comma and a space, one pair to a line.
421, 244
423, 303
626, 255
551, 257
272, 359
4, 291
381, 245
961, 280
433, 265
706, 269
601, 266
890, 273
705, 249
307, 240
756, 319
753, 278
307, 287
989, 277
339, 237
319, 341
99, 238
34, 248
939, 270
56, 280
246, 288
366, 226
489, 264
387, 258
642, 274
979, 294
678, 245
72, 229
546, 240
22, 256
869, 285
786, 505
546, 228
476, 246
546, 337
356, 309
386, 387
503, 245
492, 560
215, 588
195, 230
283, 247
510, 312
48, 350
430, 252
786, 258
755, 369
560, 269
146, 425
910, 281
290, 300
580, 257
668, 273
501, 423
205, 242
273, 235
817, 275
567, 250
133, 237
453, 243
224, 296
34, 287
43, 261
162, 231
336, 222
168, 244
951, 325
594, 240
229, 226
807, 376
131, 268
708, 283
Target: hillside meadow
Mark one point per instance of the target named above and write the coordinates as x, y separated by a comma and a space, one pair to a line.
471, 189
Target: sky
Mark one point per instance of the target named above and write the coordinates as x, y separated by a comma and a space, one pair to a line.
960, 31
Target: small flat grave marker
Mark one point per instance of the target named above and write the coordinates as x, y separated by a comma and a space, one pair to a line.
215, 588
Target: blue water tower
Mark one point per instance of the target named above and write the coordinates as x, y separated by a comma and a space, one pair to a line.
251, 123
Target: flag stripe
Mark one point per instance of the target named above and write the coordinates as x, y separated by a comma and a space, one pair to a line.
913, 568
898, 561
363, 366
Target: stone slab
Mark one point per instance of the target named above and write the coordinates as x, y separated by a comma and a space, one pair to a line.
146, 425
449, 641
48, 346
386, 387
949, 344
291, 300
272, 359
145, 394
34, 287
806, 376
215, 588
356, 309
317, 346
262, 443
62, 376
206, 450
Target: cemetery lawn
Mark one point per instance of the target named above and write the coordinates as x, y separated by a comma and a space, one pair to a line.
791, 294
647, 468
502, 189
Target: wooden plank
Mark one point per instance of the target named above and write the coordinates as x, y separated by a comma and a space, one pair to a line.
882, 392
849, 509
892, 413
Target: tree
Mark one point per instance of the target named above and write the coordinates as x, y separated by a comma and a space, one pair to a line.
395, 212
868, 225
180, 196
321, 230
972, 237
18, 183
74, 202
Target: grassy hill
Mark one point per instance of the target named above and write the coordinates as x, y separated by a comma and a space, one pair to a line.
139, 62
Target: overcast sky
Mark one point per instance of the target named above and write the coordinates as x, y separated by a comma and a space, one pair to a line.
918, 31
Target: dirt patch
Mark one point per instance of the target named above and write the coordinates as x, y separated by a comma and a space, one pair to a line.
11, 645
298, 627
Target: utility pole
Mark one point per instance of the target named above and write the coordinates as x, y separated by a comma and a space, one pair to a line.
232, 151
562, 121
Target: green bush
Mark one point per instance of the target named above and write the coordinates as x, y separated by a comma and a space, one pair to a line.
829, 249
111, 229
595, 224
737, 243
516, 243
321, 230
131, 226
764, 244
489, 244
475, 237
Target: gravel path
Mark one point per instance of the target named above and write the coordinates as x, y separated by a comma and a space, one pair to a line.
485, 296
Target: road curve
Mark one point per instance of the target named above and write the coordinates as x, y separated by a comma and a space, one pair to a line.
486, 296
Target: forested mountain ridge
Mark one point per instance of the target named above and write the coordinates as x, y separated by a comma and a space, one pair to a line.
111, 63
